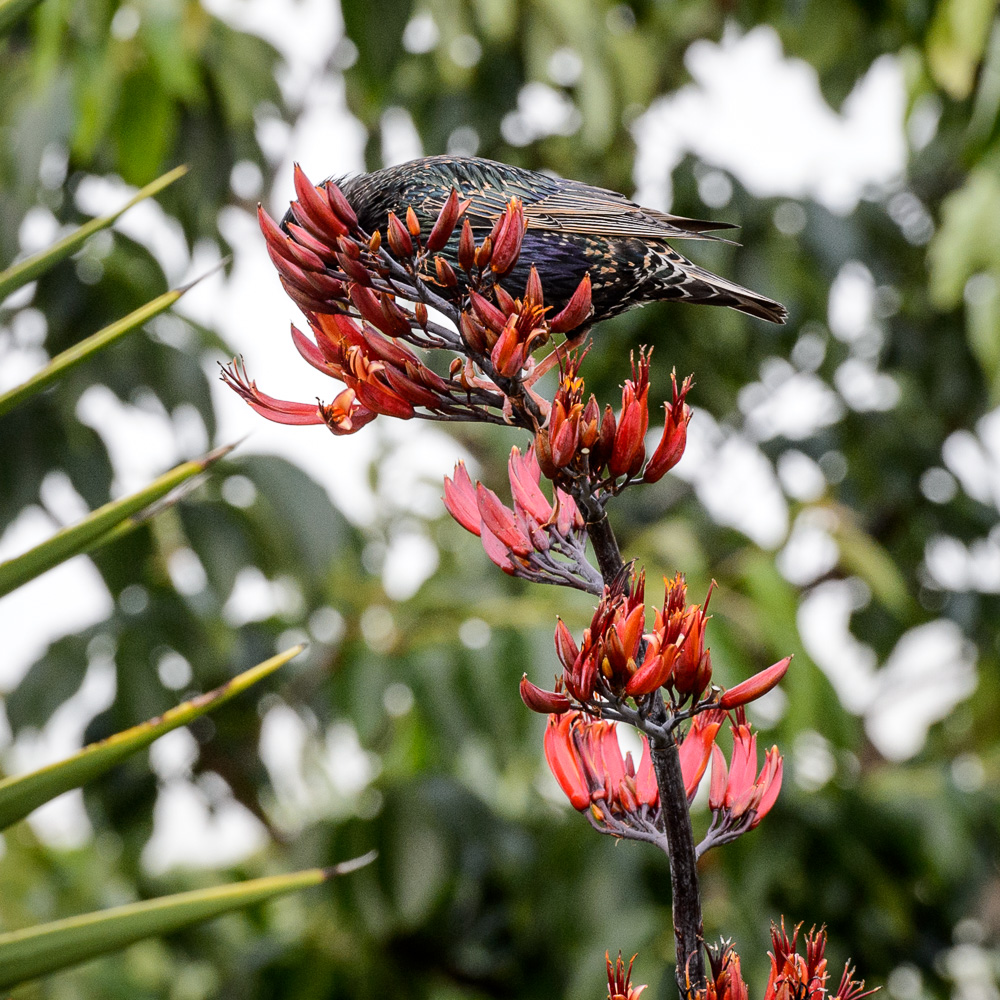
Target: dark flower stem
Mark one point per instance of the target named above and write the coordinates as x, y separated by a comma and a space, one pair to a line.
609, 557
688, 930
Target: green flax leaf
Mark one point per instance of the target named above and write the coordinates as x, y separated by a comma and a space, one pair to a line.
72, 356
83, 535
38, 951
27, 270
20, 795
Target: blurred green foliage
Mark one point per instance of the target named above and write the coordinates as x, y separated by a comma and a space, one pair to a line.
485, 886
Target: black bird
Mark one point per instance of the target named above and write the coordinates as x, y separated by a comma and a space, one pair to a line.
573, 228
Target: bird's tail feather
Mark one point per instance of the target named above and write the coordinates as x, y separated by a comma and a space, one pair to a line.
687, 282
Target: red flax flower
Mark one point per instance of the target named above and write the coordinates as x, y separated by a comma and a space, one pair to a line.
671, 447
793, 976
384, 376
726, 980
739, 796
585, 758
685, 664
696, 749
537, 539
629, 450
619, 658
620, 979
344, 415
797, 977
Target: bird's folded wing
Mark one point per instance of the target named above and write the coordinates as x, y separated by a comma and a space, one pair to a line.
590, 211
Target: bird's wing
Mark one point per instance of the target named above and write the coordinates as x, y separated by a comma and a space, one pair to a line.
572, 207
596, 212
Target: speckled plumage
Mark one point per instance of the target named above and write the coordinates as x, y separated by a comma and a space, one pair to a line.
573, 228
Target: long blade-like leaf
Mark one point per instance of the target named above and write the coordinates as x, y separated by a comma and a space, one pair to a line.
38, 951
20, 795
11, 11
27, 270
61, 363
72, 356
78, 537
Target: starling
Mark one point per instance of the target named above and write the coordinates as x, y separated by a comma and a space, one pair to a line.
573, 229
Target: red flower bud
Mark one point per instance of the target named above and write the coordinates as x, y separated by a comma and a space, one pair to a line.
341, 205
533, 294
654, 673
770, 795
501, 521
412, 222
307, 259
504, 299
488, 312
311, 352
544, 454
445, 225
590, 424
508, 353
306, 302
484, 253
720, 778
564, 438
473, 333
445, 272
756, 686
354, 269
349, 247
561, 756
466, 247
399, 239
272, 232
497, 552
629, 448
576, 312
508, 240
524, 474
307, 240
566, 648
460, 499
317, 207
367, 303
542, 701
671, 447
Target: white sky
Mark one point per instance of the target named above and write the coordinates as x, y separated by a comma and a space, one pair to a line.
749, 111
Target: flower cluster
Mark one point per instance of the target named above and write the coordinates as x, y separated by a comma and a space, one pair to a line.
739, 796
620, 979
618, 659
352, 286
792, 977
378, 305
610, 451
804, 977
536, 540
586, 760
624, 801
